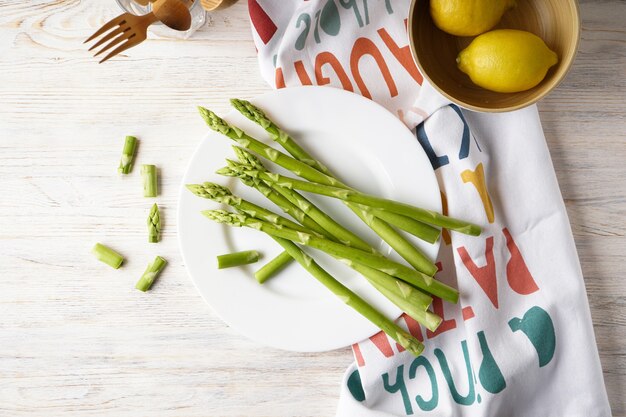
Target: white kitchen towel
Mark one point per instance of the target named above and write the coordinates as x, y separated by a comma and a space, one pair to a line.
520, 342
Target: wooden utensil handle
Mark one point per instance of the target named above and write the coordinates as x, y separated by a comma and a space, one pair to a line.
187, 3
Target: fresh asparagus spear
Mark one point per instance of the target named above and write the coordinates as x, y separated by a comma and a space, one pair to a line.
418, 229
418, 260
107, 255
151, 273
253, 113
376, 261
237, 259
394, 331
128, 154
258, 116
380, 227
221, 194
427, 216
149, 175
154, 224
273, 267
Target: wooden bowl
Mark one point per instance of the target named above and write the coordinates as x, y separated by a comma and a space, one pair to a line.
557, 22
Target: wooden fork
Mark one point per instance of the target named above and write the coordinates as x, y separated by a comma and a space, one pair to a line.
130, 30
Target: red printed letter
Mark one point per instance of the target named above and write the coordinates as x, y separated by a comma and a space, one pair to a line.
517, 273
364, 46
328, 58
485, 276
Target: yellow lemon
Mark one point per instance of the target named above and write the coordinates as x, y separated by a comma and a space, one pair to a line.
506, 61
468, 17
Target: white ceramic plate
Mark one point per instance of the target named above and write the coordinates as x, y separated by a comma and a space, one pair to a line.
362, 143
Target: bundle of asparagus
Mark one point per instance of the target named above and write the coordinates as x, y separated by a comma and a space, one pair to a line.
410, 288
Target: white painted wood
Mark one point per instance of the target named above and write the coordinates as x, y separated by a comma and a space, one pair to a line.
77, 340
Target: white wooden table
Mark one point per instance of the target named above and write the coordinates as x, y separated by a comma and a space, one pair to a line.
76, 339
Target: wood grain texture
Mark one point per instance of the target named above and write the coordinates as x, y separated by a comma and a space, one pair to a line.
77, 340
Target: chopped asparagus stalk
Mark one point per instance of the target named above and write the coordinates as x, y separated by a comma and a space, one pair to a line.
375, 261
107, 255
273, 267
128, 155
149, 175
237, 259
150, 275
394, 331
154, 224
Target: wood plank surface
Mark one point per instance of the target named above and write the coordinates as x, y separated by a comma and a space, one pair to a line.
76, 339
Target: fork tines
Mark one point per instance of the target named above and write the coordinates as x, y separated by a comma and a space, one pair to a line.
122, 32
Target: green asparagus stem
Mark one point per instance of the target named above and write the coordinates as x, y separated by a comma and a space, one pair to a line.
237, 259
273, 267
107, 255
128, 155
382, 229
394, 331
418, 229
413, 277
423, 215
413, 302
149, 175
415, 258
150, 275
154, 224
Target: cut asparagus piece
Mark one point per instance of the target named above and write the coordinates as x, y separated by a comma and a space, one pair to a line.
237, 259
128, 155
249, 110
154, 224
149, 175
382, 229
375, 261
107, 255
273, 267
423, 215
150, 275
394, 331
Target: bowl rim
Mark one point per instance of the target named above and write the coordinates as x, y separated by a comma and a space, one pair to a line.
473, 107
